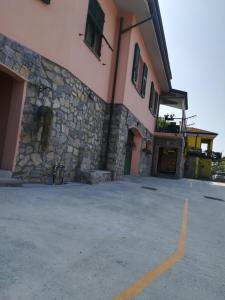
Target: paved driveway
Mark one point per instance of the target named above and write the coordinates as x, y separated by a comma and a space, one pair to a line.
80, 242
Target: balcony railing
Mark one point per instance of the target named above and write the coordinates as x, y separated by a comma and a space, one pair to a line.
163, 125
214, 156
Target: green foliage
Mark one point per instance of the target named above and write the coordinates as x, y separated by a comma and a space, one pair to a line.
161, 123
219, 166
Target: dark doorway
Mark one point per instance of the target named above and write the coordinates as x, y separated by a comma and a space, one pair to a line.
12, 91
167, 161
129, 150
6, 84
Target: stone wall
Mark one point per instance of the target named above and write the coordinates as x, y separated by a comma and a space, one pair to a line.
123, 120
177, 143
191, 167
78, 122
65, 122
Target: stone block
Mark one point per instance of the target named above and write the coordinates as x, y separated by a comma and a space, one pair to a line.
95, 176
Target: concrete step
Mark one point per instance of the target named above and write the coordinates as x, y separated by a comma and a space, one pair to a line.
5, 174
10, 182
95, 176
6, 179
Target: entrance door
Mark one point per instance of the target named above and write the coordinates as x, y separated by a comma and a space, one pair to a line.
167, 162
129, 150
6, 84
12, 92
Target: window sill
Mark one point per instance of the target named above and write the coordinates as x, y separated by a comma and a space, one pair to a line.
93, 52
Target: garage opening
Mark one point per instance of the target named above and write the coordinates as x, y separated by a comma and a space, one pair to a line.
167, 161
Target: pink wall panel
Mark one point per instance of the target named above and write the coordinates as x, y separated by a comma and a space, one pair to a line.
53, 31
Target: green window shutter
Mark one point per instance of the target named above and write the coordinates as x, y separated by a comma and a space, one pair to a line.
152, 95
144, 80
136, 64
47, 1
156, 103
96, 14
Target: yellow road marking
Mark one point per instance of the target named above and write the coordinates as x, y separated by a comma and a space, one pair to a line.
141, 284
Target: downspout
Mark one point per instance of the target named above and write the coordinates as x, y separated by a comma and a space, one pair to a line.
113, 92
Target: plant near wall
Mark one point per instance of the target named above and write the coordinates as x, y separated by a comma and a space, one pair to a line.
162, 123
219, 166
44, 118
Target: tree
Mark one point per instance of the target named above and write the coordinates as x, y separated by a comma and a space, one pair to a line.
219, 166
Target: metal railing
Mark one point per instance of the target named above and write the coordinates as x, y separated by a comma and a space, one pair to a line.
163, 125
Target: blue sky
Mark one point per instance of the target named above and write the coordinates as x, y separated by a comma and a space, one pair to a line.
195, 35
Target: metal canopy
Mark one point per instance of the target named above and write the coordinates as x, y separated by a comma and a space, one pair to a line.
176, 99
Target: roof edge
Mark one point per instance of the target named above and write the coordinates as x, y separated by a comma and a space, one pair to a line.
200, 132
185, 94
158, 24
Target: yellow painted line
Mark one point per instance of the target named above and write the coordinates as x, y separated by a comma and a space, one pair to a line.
141, 284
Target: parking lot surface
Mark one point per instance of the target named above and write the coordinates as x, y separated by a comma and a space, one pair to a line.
81, 242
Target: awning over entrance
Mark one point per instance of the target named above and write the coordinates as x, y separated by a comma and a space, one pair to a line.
176, 99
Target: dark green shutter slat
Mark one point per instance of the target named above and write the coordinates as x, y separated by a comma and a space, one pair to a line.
156, 103
97, 14
152, 93
136, 64
144, 80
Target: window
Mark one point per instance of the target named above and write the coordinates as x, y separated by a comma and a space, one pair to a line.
94, 27
152, 97
46, 1
140, 72
136, 64
144, 80
156, 104
140, 75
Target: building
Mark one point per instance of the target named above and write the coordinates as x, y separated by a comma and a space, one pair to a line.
169, 141
81, 83
198, 159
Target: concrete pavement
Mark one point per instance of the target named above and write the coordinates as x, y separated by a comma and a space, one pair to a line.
91, 242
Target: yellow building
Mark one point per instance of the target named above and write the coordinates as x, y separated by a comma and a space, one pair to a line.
199, 150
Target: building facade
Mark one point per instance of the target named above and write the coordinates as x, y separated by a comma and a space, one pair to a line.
80, 86
170, 132
198, 160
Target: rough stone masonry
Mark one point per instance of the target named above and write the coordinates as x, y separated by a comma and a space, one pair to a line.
75, 133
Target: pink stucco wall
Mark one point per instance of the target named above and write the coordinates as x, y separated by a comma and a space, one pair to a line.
136, 154
127, 93
53, 31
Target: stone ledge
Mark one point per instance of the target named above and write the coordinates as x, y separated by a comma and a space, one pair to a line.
10, 182
95, 176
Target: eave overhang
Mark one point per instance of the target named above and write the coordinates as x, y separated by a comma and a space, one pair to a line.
175, 98
153, 34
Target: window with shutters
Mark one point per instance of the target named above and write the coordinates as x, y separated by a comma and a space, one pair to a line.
152, 97
140, 72
94, 27
144, 80
46, 1
156, 104
136, 64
